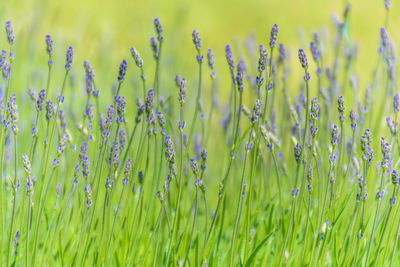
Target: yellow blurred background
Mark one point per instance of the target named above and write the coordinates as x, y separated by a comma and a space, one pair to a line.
103, 31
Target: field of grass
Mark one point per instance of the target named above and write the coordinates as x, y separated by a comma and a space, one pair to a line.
199, 133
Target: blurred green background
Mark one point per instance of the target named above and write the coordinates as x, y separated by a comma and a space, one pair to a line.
103, 31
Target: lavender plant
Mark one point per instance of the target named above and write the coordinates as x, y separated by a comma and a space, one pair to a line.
165, 175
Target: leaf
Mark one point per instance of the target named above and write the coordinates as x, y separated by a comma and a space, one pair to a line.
254, 253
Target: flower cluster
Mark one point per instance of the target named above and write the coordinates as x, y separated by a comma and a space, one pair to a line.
353, 119
120, 104
127, 171
182, 84
386, 162
69, 56
10, 33
122, 70
136, 57
49, 48
84, 159
229, 57
334, 136
12, 114
368, 152
211, 62
89, 77
298, 152
341, 108
273, 35
197, 44
256, 111
304, 63
314, 114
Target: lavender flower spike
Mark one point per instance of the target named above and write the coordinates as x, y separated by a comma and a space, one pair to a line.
341, 108
315, 51
12, 114
274, 35
211, 62
120, 104
136, 56
396, 103
49, 110
49, 45
298, 152
197, 45
229, 57
159, 29
10, 33
69, 57
353, 119
304, 63
27, 164
122, 70
182, 84
303, 59
196, 39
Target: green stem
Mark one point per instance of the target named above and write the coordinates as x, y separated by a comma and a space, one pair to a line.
385, 227
14, 204
239, 203
374, 223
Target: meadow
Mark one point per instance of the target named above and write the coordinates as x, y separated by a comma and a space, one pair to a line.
183, 149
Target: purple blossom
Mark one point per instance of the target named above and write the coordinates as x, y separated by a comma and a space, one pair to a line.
10, 33
298, 152
353, 119
40, 100
341, 108
114, 155
122, 138
274, 35
315, 51
106, 123
120, 104
69, 56
88, 195
229, 57
159, 29
196, 40
396, 103
395, 177
334, 136
154, 47
122, 70
89, 77
12, 114
256, 111
27, 164
136, 57
182, 84
303, 59
210, 58
49, 110
282, 53
49, 45
169, 149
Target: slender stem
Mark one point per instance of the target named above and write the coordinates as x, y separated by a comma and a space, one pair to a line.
374, 223
28, 230
192, 229
239, 203
197, 109
48, 146
14, 204
385, 226
306, 230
